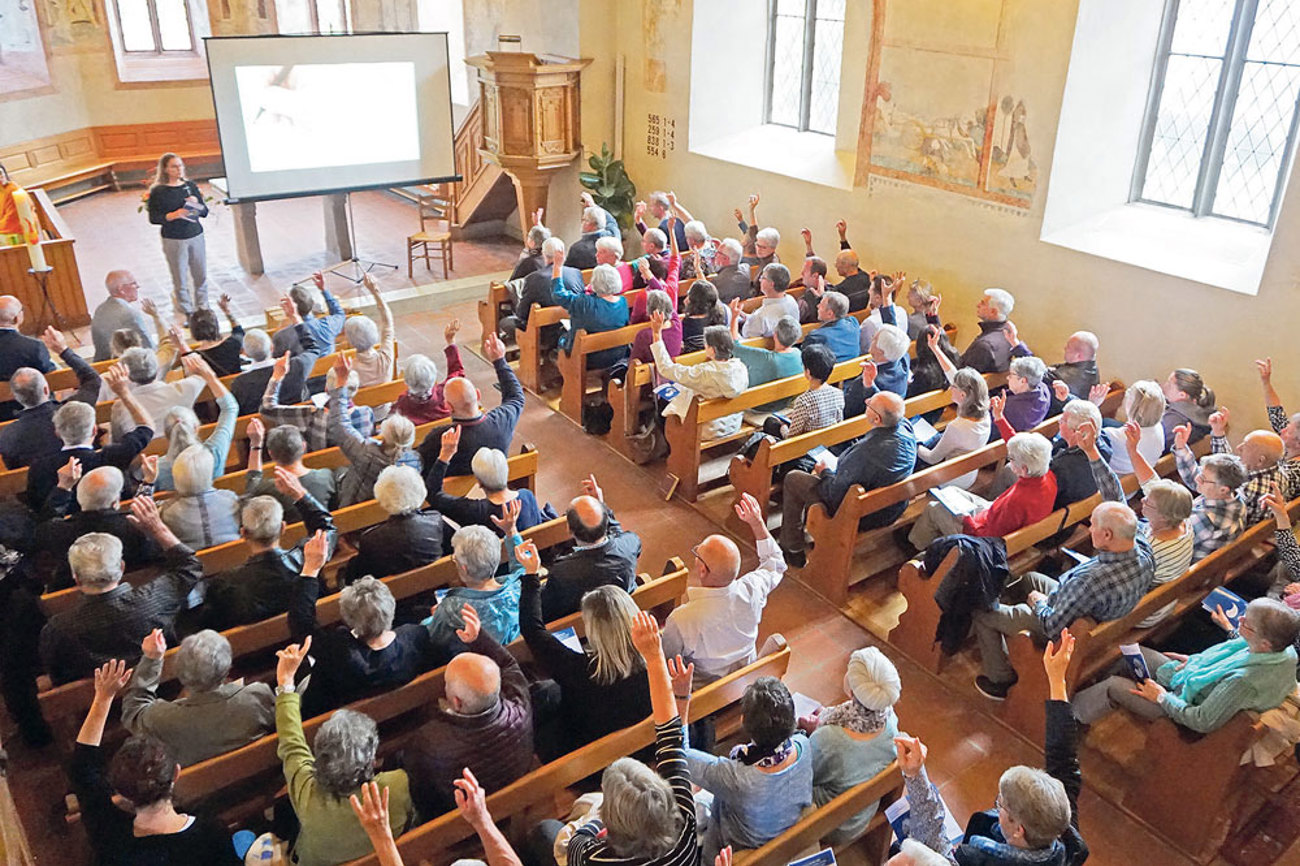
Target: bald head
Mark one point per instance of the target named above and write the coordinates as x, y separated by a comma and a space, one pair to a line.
1114, 526
473, 683
1261, 449
889, 406
1082, 346
462, 396
11, 311
588, 520
100, 489
717, 561
846, 263
121, 284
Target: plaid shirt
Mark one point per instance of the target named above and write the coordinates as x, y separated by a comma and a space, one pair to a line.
368, 457
311, 420
1105, 587
1289, 468
815, 409
1257, 484
1214, 522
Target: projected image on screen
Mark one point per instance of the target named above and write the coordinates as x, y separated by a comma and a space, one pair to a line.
311, 115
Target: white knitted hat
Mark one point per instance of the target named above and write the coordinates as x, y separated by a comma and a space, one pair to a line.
872, 679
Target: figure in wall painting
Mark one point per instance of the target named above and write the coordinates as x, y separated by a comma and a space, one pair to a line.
945, 148
1013, 169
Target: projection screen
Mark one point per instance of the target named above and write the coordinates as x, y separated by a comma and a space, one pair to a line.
307, 115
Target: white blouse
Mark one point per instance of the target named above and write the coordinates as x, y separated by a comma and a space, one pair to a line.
961, 436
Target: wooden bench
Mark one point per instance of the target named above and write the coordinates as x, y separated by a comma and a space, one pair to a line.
432, 840
259, 758
529, 339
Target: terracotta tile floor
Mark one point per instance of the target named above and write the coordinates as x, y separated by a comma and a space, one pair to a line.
969, 748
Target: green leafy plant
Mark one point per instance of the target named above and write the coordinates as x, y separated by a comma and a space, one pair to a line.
610, 186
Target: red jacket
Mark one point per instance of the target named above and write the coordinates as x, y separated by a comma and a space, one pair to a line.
1027, 501
434, 407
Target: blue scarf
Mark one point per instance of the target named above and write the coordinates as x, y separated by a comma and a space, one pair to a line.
1204, 670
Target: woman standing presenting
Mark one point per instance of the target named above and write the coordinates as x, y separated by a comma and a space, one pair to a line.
176, 204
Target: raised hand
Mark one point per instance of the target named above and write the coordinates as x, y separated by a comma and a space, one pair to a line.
281, 368
1009, 331
911, 755
110, 678
932, 339
144, 514
471, 800
149, 307
723, 858
1056, 657
643, 268
1219, 422
289, 660
681, 674
591, 488
1132, 435
118, 380
318, 279
537, 216
1061, 390
527, 556
672, 199
450, 331
369, 282
256, 432
869, 372
342, 370
509, 517
932, 305
315, 553
997, 403
1274, 502
753, 202
224, 303
372, 811
748, 510
149, 468
842, 228
1087, 433
1265, 367
638, 211
195, 364
154, 644
818, 288
469, 616
290, 310
1182, 433
288, 484
54, 340
493, 349
807, 237
449, 442
739, 214
657, 322
69, 474
645, 635
586, 199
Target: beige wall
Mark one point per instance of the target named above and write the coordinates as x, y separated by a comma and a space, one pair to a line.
1148, 323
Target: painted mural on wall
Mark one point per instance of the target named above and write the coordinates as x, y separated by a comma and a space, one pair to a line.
25, 67
659, 18
946, 114
74, 25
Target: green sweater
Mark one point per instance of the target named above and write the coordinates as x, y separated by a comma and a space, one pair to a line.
330, 831
765, 366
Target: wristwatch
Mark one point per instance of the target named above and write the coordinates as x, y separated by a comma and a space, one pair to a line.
285, 690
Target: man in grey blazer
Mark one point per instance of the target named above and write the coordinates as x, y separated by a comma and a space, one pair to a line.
213, 717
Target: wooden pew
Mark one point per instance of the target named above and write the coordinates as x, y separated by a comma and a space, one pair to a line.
573, 364
883, 788
433, 839
72, 698
259, 758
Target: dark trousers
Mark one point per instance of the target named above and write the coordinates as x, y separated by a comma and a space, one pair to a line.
20, 664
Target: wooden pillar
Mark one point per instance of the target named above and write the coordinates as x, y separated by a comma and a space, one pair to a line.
337, 240
248, 246
531, 189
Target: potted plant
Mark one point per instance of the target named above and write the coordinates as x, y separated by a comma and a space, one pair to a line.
610, 186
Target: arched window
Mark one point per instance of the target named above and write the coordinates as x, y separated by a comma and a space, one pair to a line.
1220, 127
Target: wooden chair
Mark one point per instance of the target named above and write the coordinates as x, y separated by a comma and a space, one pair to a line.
425, 243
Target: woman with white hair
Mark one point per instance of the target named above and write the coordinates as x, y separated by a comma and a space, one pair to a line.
322, 777
181, 427
200, 514
476, 550
492, 472
412, 535
854, 740
595, 691
376, 345
368, 456
968, 432
425, 400
1027, 501
604, 310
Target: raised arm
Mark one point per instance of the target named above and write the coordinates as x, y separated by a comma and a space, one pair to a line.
387, 333
119, 382
1107, 481
1265, 367
1061, 744
646, 639
682, 213
471, 802
372, 813
88, 381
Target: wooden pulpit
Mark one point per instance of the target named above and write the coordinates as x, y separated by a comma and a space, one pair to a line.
63, 304
531, 124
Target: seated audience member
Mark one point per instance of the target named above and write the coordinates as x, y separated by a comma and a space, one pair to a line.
530, 257
596, 224
367, 455
74, 422
822, 405
1261, 453
968, 432
116, 312
759, 792
311, 419
855, 283
364, 654
324, 330
1218, 512
1036, 819
594, 692
883, 309
181, 427
719, 375
492, 472
212, 716
646, 818
990, 352
249, 386
476, 550
1078, 372
376, 345
1028, 398
18, 350
1252, 670
412, 536
717, 626
1144, 404
31, 434
1286, 574
658, 301
142, 773
264, 584
1026, 501
200, 514
699, 251
1166, 505
838, 330
222, 354
321, 777
1288, 427
811, 276
703, 308
672, 216
781, 361
760, 244
732, 277
492, 429
603, 310
927, 371
484, 725
1105, 587
1188, 400
880, 374
537, 290
919, 294
885, 455
98, 496
111, 617
603, 554
284, 446
425, 398
1074, 479
154, 395
773, 280
853, 741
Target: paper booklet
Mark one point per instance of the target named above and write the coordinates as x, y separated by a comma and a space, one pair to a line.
1136, 664
954, 499
1076, 555
804, 705
822, 454
569, 637
923, 429
824, 857
1234, 606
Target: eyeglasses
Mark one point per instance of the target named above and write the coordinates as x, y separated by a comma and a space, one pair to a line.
695, 553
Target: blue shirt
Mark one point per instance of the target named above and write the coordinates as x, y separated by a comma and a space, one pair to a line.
841, 337
323, 329
1105, 587
591, 313
883, 456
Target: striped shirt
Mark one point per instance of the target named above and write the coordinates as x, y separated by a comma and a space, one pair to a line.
589, 843
1214, 522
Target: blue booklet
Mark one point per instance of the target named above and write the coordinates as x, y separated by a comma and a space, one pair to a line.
569, 637
824, 857
1136, 664
1234, 606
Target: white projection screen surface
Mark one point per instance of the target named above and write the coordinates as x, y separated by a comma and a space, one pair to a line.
306, 115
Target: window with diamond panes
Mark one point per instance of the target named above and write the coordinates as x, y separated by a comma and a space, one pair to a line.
154, 26
1221, 120
805, 39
